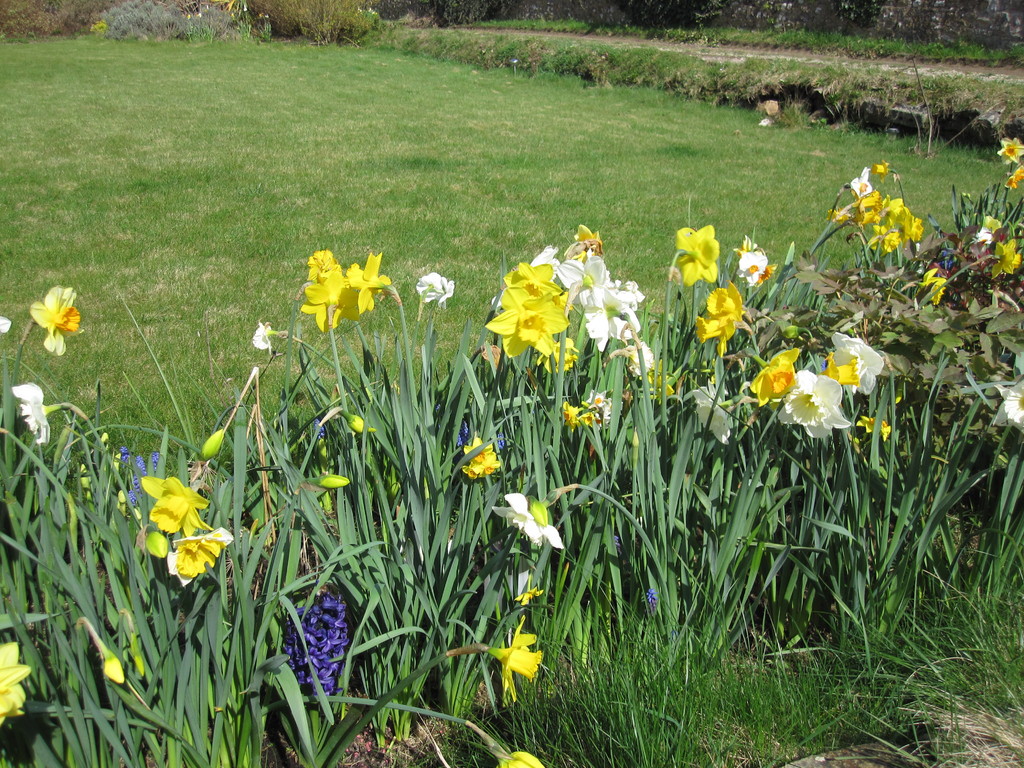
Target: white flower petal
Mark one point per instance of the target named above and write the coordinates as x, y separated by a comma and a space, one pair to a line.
5, 324
435, 287
814, 402
261, 339
868, 363
32, 410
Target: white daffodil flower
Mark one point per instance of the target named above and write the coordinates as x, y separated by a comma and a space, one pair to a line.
435, 287
568, 273
867, 362
594, 280
1012, 408
261, 339
531, 517
861, 186
637, 352
719, 417
33, 410
609, 314
599, 403
5, 324
814, 403
630, 293
753, 265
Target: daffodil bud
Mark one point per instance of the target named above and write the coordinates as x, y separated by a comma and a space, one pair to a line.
133, 646
356, 423
212, 445
112, 667
791, 331
122, 502
156, 544
104, 438
333, 481
111, 664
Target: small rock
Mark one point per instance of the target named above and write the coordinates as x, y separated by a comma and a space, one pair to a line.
864, 756
769, 107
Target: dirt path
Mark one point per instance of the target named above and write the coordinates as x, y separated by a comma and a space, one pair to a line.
736, 53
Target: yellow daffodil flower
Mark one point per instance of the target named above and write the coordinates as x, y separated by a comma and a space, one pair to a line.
12, 695
194, 555
528, 595
331, 300
529, 322
881, 170
57, 315
845, 374
571, 356
177, 507
533, 282
725, 310
868, 425
697, 254
368, 281
591, 242
1012, 150
931, 277
520, 760
516, 659
868, 209
776, 378
1015, 178
1008, 259
889, 239
321, 264
575, 416
484, 463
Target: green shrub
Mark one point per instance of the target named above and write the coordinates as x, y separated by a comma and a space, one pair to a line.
144, 20
467, 11
863, 13
675, 13
211, 23
322, 21
24, 18
74, 16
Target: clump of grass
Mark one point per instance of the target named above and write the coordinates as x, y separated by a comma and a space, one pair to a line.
965, 679
650, 701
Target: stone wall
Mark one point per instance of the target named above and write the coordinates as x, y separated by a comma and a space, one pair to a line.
995, 23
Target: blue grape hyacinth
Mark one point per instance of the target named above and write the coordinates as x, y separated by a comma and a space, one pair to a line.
326, 638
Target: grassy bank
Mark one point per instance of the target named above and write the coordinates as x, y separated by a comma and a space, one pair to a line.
799, 39
952, 101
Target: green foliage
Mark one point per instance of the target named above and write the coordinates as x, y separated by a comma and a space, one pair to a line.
211, 23
651, 700
673, 13
144, 20
321, 21
25, 18
966, 326
466, 11
863, 13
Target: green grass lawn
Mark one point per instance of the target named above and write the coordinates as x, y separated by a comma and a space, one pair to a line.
185, 185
